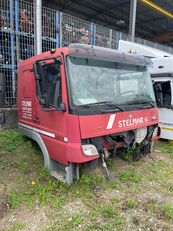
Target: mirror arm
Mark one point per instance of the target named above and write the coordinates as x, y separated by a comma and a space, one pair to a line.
61, 108
49, 109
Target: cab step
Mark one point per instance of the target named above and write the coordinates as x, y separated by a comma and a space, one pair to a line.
65, 175
59, 174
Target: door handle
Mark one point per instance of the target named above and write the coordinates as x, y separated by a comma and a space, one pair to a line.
36, 119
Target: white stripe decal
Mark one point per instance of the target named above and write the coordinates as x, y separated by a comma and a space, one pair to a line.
111, 121
38, 130
65, 139
44, 132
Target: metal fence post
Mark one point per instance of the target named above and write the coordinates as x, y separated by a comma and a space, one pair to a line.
57, 29
132, 19
93, 32
12, 47
110, 38
60, 28
38, 26
118, 37
17, 29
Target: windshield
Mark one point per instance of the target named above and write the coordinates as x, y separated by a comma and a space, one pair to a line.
97, 81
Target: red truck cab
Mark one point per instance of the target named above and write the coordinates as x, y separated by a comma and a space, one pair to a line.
80, 103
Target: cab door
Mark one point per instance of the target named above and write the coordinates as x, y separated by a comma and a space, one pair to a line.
163, 88
50, 106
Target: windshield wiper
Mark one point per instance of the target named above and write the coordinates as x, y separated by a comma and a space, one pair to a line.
97, 103
88, 105
151, 103
114, 107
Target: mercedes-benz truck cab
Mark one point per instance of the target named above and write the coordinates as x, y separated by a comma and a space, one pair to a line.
81, 103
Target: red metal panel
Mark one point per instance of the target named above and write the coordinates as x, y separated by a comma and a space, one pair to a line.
75, 154
56, 149
54, 122
97, 125
74, 151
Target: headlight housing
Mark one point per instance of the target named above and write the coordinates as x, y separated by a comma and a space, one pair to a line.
141, 134
90, 150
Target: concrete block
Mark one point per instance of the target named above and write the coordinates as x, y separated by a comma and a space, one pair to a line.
11, 118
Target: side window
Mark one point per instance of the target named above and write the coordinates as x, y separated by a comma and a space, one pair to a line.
50, 84
166, 91
49, 89
163, 93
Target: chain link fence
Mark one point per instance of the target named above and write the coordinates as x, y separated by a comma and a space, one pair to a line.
50, 21
75, 30
17, 34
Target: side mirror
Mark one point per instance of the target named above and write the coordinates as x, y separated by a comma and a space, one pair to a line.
62, 107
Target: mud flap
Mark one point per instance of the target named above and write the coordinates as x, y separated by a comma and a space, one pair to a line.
152, 147
70, 173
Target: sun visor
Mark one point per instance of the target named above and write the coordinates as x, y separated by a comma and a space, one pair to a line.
94, 52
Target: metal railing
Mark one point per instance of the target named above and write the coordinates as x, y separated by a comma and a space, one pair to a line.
58, 30
75, 30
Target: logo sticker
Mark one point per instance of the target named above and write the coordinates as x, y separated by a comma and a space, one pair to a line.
111, 121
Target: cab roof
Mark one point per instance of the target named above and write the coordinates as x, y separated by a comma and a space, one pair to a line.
93, 52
